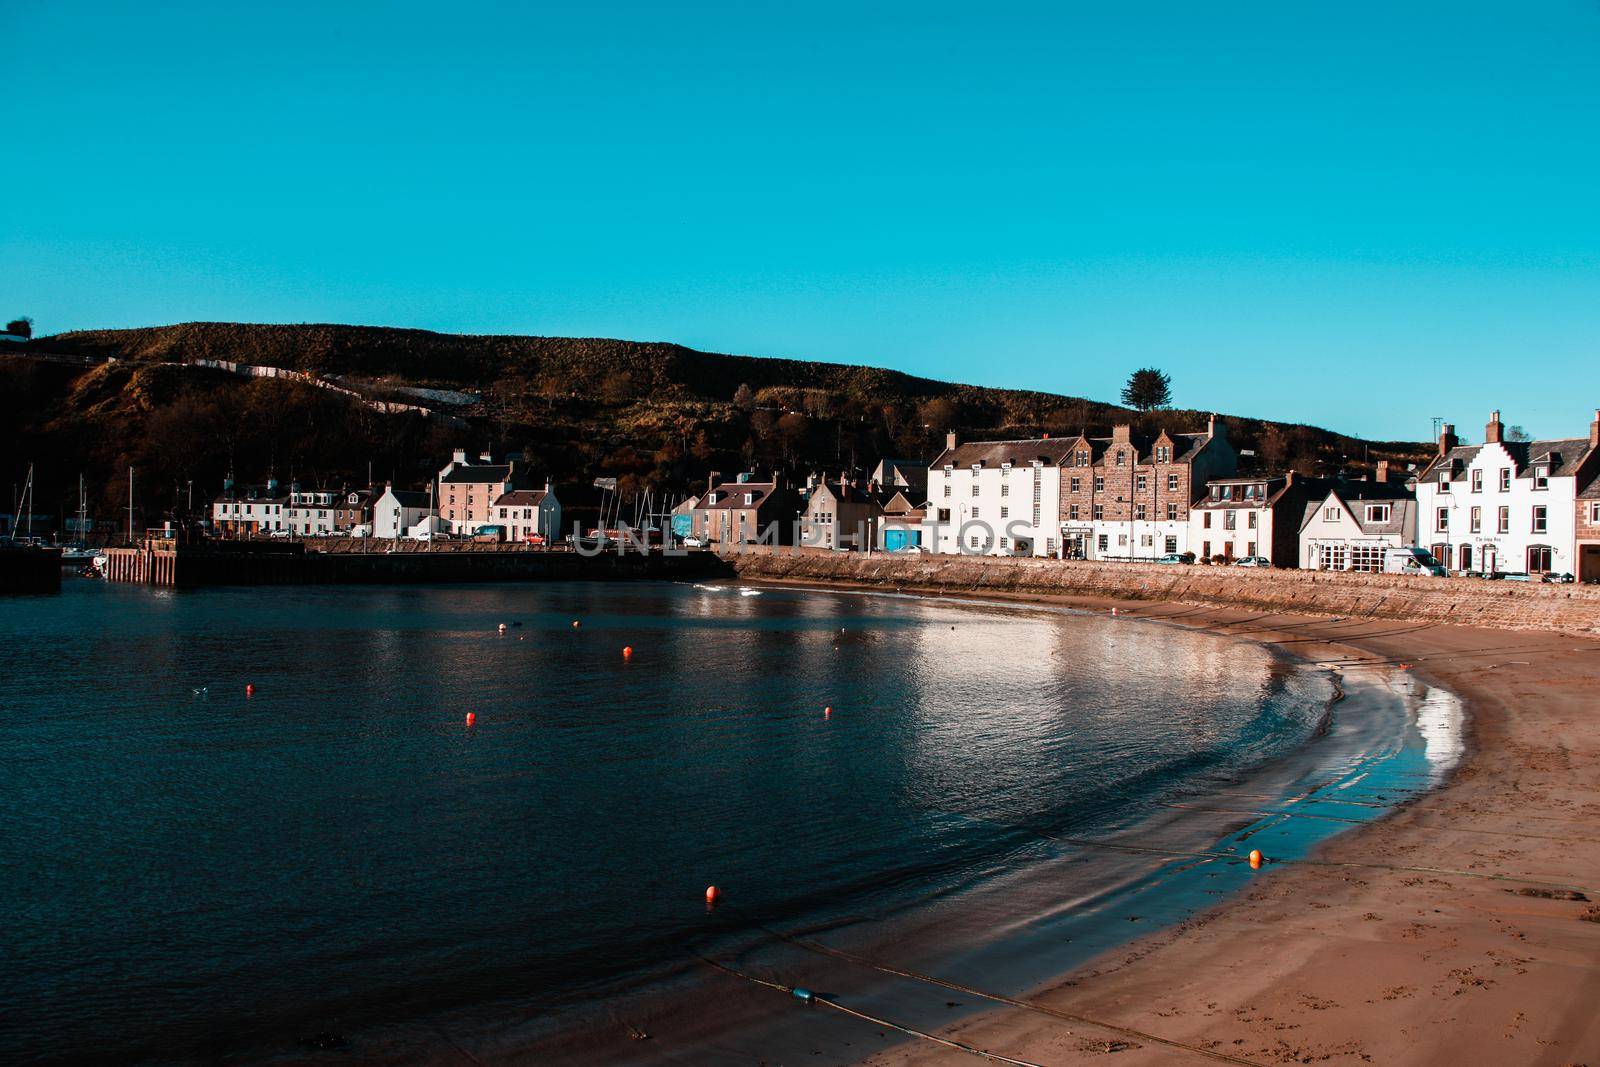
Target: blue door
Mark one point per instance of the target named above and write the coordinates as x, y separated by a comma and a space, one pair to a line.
899, 538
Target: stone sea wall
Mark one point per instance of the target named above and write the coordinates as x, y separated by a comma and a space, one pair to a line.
1457, 601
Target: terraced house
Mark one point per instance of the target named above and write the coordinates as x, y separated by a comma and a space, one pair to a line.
1510, 506
1128, 496
995, 498
468, 491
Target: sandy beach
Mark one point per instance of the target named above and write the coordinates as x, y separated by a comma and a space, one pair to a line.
1463, 929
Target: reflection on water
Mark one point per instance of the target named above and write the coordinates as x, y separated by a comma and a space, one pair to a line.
189, 876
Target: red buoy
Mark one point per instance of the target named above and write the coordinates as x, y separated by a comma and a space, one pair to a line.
827, 713
713, 894
472, 717
627, 651
250, 689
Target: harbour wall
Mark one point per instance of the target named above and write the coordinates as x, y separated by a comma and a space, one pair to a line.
243, 563
1456, 601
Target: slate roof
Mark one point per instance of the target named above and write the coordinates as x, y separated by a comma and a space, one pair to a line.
478, 473
1277, 486
519, 498
1355, 495
410, 498
730, 496
1563, 456
994, 454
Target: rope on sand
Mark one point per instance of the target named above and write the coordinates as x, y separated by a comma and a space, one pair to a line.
817, 998
998, 998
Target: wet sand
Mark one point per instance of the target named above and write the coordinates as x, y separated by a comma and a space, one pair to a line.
1480, 957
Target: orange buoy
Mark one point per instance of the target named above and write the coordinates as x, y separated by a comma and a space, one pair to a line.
1256, 859
1113, 611
576, 624
627, 651
827, 713
713, 894
250, 689
472, 717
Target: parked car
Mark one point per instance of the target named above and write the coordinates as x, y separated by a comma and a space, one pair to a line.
1557, 579
696, 542
1176, 557
1517, 576
1252, 561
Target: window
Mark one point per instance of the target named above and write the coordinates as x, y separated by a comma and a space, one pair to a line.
1139, 513
974, 540
1005, 489
1366, 558
1171, 545
749, 498
1594, 512
1250, 522
1538, 559
1102, 541
1378, 512
1205, 520
1330, 557
1141, 483
1230, 520
1505, 479
1503, 520
1172, 512
1005, 513
1172, 483
1082, 458
1330, 514
974, 487
1005, 542
1477, 481
1147, 540
1541, 477
1077, 485
1072, 512
1122, 457
947, 489
1049, 546
1099, 483
1541, 520
1099, 512
1441, 521
1122, 540
1444, 481
974, 513
944, 514
1476, 525
1163, 454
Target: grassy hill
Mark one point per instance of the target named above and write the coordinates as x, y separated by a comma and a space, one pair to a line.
656, 415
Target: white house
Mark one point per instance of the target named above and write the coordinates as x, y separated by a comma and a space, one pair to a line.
1253, 516
1350, 527
312, 512
250, 510
528, 513
397, 511
1504, 505
995, 498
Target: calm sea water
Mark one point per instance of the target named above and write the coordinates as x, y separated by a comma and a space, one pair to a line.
189, 872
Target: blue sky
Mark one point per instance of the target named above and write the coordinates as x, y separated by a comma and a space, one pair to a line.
1358, 215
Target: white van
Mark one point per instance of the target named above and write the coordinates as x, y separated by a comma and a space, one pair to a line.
1412, 560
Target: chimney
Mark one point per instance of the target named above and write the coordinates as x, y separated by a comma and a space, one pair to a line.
458, 456
1122, 432
1491, 432
950, 441
1594, 430
711, 480
1448, 438
1382, 473
485, 457
1289, 478
1216, 426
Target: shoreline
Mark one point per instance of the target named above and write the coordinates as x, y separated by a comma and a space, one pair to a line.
748, 1024
1482, 962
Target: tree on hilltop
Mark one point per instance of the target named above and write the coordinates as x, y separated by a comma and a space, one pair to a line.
1147, 389
22, 327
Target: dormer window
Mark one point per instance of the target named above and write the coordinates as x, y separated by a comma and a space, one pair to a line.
1122, 458
711, 498
1083, 457
1378, 512
1444, 481
749, 498
1006, 465
1163, 454
1541, 477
